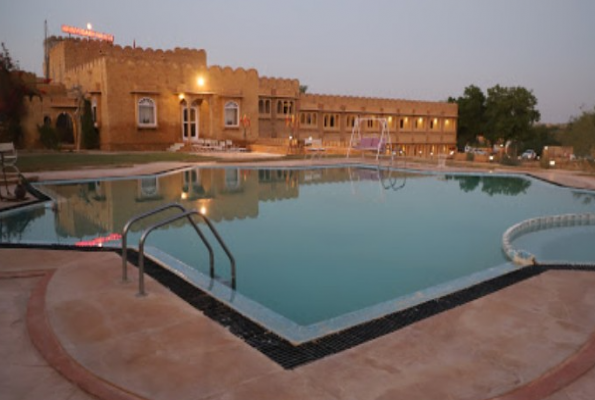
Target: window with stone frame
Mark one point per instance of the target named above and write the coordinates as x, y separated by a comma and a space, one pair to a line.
309, 118
264, 106
231, 114
147, 112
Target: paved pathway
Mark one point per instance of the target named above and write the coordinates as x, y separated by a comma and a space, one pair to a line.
158, 347
24, 373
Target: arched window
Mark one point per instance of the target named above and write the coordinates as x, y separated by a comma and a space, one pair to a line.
285, 107
264, 106
149, 187
331, 121
147, 112
232, 113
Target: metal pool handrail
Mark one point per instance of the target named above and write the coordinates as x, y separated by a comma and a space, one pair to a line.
186, 214
127, 228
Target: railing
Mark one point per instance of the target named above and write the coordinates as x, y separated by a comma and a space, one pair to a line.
128, 226
184, 214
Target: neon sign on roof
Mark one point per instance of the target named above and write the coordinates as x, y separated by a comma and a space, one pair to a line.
87, 33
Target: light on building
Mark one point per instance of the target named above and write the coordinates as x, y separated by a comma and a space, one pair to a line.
390, 120
200, 81
203, 210
447, 122
491, 158
184, 196
181, 96
552, 163
89, 26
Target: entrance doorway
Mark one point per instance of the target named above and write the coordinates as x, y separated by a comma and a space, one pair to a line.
65, 128
190, 116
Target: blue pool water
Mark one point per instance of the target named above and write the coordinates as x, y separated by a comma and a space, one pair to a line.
316, 249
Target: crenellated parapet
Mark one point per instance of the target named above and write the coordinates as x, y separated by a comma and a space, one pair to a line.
279, 87
71, 53
219, 72
358, 104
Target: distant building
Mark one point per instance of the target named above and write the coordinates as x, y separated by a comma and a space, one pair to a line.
145, 99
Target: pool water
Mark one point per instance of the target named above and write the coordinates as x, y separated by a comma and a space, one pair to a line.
313, 245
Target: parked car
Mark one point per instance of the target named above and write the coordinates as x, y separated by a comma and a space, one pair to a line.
529, 155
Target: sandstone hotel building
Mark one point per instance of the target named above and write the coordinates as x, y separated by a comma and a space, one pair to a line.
145, 99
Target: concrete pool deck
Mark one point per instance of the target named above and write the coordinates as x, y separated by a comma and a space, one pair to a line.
532, 340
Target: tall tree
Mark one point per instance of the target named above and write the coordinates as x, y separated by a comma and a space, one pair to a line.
510, 113
581, 134
13, 89
472, 108
90, 137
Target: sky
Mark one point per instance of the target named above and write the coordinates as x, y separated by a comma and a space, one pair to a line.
406, 49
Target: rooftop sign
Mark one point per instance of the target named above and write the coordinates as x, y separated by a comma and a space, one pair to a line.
87, 33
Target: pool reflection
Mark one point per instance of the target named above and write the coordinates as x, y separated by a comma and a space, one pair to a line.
224, 194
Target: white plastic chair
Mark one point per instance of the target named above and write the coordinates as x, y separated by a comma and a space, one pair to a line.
8, 156
8, 159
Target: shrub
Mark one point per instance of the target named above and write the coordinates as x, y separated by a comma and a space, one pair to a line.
470, 156
48, 137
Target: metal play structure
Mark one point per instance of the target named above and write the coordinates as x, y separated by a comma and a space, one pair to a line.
361, 143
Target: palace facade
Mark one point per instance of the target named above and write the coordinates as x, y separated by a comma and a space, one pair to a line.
145, 99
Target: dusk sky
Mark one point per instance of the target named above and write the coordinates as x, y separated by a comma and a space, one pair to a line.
417, 50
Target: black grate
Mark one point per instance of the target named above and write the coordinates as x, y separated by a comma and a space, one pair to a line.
290, 356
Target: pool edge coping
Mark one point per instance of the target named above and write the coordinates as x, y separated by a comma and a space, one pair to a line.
49, 346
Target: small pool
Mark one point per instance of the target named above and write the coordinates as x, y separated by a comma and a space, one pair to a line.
317, 250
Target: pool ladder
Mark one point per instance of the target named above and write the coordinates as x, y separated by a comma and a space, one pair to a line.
184, 213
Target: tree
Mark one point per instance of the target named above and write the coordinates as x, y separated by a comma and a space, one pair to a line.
303, 89
581, 134
471, 115
13, 89
539, 137
510, 114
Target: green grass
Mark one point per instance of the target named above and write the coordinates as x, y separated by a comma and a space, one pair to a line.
36, 162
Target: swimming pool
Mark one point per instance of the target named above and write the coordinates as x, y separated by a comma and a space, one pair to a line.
317, 250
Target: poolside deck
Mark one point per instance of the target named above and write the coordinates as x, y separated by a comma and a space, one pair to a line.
532, 340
